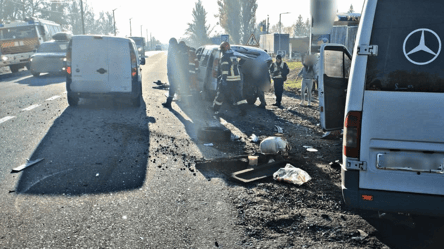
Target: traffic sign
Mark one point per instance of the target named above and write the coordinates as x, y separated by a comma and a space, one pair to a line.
252, 41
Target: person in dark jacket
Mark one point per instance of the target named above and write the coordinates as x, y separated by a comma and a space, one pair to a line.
230, 83
279, 71
172, 71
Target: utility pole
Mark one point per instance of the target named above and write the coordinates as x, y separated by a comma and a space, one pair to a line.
141, 34
114, 19
131, 33
146, 44
1, 11
81, 11
24, 9
268, 23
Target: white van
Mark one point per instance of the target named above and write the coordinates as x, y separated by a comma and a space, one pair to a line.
103, 66
388, 98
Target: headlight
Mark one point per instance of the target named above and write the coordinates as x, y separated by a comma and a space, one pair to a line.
4, 58
30, 59
139, 49
64, 59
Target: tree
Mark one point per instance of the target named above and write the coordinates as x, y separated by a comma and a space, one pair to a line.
248, 19
198, 32
301, 28
229, 18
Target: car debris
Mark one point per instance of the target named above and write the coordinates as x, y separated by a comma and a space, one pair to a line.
253, 160
259, 172
254, 138
279, 129
273, 145
362, 235
209, 144
26, 165
310, 148
291, 174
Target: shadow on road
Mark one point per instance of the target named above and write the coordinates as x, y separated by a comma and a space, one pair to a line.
91, 149
43, 80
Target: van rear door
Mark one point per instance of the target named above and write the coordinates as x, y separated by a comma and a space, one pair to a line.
119, 63
90, 70
402, 131
334, 69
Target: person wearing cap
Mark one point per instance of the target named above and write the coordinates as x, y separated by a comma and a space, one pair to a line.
230, 82
279, 71
172, 71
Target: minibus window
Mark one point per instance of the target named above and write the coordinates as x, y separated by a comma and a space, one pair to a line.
410, 41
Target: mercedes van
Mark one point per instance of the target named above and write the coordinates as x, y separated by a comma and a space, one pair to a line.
103, 66
389, 98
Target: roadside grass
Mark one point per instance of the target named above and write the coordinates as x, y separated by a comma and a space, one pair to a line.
291, 84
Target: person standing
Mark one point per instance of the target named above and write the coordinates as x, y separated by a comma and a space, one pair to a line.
308, 75
172, 71
229, 83
279, 71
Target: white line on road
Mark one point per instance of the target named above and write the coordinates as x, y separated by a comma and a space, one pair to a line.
30, 108
53, 98
6, 119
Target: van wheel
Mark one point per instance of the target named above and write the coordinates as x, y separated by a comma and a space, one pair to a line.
136, 101
73, 101
14, 69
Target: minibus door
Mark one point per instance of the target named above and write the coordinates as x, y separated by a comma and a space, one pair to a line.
334, 69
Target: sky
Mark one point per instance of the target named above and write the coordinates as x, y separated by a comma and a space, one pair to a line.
164, 19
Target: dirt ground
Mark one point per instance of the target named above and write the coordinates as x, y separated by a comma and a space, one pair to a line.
283, 215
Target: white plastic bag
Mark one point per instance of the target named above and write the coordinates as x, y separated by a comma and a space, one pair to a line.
291, 174
273, 145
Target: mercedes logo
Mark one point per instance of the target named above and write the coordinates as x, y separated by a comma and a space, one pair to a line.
422, 47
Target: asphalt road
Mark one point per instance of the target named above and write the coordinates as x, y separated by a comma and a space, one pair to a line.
113, 176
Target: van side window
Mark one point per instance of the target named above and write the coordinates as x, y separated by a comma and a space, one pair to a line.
338, 64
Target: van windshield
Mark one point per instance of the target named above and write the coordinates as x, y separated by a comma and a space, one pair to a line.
18, 33
410, 48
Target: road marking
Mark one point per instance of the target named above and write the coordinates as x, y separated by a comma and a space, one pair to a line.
53, 98
30, 108
6, 119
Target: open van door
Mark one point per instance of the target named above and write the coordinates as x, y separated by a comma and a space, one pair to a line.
334, 69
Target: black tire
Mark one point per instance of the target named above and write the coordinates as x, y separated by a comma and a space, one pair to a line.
251, 98
35, 74
136, 101
14, 69
73, 101
214, 134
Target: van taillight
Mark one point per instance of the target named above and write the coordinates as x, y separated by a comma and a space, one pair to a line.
352, 134
68, 61
133, 62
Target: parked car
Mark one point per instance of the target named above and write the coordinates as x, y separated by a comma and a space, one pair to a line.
93, 72
158, 47
140, 43
254, 65
49, 58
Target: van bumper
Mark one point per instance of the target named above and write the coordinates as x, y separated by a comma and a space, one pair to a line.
388, 201
131, 95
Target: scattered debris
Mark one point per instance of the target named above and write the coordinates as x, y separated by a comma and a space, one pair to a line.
214, 134
326, 135
279, 129
97, 174
209, 145
26, 165
253, 160
234, 137
291, 174
273, 145
362, 235
310, 148
335, 165
254, 138
259, 172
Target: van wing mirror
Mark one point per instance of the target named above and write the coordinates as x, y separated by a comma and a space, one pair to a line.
142, 61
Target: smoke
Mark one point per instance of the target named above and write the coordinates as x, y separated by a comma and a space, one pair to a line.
323, 14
